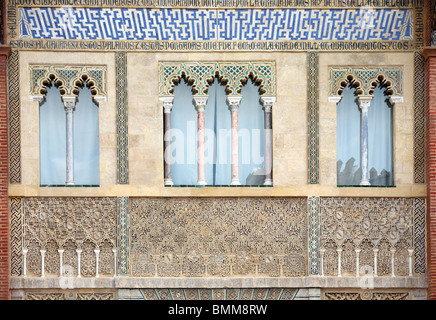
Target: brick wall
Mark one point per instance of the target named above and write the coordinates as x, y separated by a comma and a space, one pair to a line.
4, 207
431, 170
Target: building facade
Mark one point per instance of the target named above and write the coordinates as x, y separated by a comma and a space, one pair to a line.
217, 150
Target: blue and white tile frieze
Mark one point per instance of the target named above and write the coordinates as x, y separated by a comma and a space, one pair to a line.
215, 24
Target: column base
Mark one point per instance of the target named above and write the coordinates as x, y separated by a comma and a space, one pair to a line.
267, 182
365, 183
168, 182
235, 182
69, 183
201, 182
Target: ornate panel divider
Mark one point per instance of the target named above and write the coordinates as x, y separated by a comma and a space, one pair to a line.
14, 117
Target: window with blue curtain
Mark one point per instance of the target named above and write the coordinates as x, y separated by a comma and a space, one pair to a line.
218, 126
380, 139
52, 128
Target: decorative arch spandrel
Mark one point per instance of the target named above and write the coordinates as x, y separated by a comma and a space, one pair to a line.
69, 79
233, 74
365, 79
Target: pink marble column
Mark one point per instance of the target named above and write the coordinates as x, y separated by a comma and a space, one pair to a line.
200, 105
234, 106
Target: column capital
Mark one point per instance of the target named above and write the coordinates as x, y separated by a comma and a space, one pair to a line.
38, 98
69, 103
234, 102
167, 103
267, 103
396, 99
364, 102
200, 103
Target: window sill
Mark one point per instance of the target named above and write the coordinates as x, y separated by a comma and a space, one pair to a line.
70, 186
358, 186
223, 185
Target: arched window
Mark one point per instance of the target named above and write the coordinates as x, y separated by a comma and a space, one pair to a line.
380, 139
218, 136
53, 142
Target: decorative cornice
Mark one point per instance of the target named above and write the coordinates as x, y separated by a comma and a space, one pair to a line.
429, 52
5, 50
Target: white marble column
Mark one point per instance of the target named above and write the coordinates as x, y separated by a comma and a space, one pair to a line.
364, 104
234, 107
115, 261
321, 254
79, 251
42, 263
267, 103
200, 105
61, 268
339, 262
69, 106
410, 262
393, 262
25, 262
97, 254
357, 262
375, 261
167, 105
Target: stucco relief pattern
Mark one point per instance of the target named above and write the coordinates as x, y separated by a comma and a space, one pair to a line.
367, 224
70, 224
218, 237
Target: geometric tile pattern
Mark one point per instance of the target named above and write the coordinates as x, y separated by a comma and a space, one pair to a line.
419, 119
215, 24
313, 148
233, 74
212, 294
365, 79
123, 236
16, 236
68, 79
313, 235
14, 117
419, 239
122, 117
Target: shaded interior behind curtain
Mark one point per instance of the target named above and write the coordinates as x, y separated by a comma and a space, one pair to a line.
380, 140
53, 139
217, 136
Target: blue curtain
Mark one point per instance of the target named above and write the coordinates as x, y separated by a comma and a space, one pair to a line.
380, 141
218, 124
348, 139
183, 136
251, 136
52, 145
53, 140
86, 140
